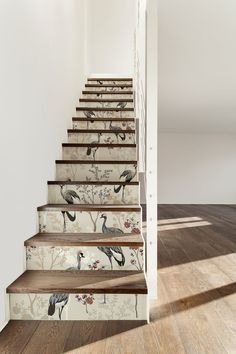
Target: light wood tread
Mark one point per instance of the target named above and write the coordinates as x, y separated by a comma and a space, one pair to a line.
106, 100
90, 207
97, 162
110, 79
83, 281
103, 131
110, 145
86, 239
104, 109
98, 183
83, 119
87, 92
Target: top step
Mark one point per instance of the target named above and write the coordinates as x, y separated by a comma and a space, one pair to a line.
109, 85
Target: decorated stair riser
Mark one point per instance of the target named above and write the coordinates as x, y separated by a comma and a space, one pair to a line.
92, 114
107, 95
110, 82
115, 88
97, 152
107, 104
95, 194
83, 258
88, 221
31, 306
118, 137
93, 172
104, 124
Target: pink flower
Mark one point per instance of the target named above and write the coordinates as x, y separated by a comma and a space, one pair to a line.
127, 224
135, 230
89, 300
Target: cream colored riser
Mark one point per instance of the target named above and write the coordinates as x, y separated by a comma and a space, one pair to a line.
105, 104
105, 138
99, 153
107, 114
62, 258
92, 172
109, 89
107, 96
103, 124
88, 221
110, 82
96, 194
97, 307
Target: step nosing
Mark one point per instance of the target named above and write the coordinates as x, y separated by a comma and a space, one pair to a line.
99, 145
90, 207
97, 162
94, 183
105, 131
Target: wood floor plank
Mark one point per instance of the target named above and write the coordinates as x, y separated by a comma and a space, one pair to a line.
41, 342
16, 335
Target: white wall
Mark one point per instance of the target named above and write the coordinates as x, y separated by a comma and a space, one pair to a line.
197, 168
42, 73
110, 37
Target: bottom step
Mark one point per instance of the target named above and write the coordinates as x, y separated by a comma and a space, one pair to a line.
72, 295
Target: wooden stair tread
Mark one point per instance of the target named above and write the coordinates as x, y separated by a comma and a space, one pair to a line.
104, 109
108, 85
89, 207
120, 282
87, 92
108, 162
86, 239
106, 100
110, 79
108, 131
93, 183
110, 145
101, 119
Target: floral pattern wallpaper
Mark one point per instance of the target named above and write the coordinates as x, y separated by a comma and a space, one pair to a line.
99, 153
92, 172
95, 194
105, 114
81, 258
105, 138
108, 104
87, 124
110, 82
107, 95
109, 88
78, 306
88, 221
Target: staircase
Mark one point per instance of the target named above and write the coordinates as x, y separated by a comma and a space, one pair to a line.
87, 260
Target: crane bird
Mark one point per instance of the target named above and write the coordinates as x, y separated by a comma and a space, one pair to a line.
80, 255
68, 195
70, 217
121, 105
57, 301
93, 149
109, 230
99, 82
89, 115
118, 135
128, 175
113, 252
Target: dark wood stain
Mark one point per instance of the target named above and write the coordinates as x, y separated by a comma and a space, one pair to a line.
105, 131
110, 109
97, 162
86, 239
89, 207
87, 92
96, 183
53, 281
101, 145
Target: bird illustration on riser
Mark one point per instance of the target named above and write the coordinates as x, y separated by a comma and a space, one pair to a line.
87, 261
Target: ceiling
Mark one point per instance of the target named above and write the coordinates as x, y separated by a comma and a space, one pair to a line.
197, 66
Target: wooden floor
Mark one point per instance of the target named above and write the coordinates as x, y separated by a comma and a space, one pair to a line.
196, 307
